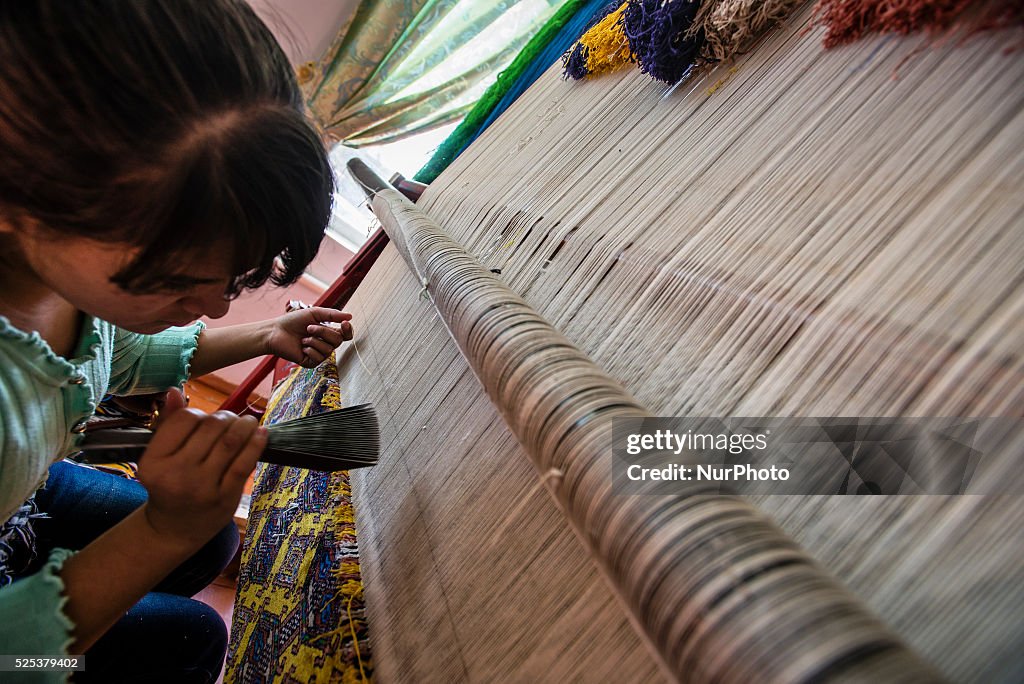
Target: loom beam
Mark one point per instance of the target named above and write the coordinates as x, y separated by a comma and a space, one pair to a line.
704, 576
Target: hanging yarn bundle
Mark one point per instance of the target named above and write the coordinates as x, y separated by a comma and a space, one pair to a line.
602, 49
657, 32
732, 27
850, 20
666, 38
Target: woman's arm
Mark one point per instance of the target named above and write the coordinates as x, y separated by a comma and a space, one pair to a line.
194, 470
300, 336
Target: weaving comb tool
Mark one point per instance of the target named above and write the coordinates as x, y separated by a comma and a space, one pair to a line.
343, 439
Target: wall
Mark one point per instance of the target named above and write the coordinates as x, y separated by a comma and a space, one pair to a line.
304, 28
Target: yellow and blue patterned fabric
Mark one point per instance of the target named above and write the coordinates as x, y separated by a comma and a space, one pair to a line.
299, 614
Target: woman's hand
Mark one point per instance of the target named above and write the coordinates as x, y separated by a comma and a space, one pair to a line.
307, 337
194, 469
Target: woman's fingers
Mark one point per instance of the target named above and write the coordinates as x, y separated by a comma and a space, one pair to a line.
323, 315
195, 469
237, 471
324, 347
228, 445
332, 320
331, 336
211, 428
174, 430
174, 400
311, 358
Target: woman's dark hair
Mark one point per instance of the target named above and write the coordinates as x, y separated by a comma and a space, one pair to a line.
176, 126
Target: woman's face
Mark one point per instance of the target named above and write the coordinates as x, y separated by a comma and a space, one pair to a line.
80, 271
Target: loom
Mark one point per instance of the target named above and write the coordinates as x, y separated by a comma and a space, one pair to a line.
805, 233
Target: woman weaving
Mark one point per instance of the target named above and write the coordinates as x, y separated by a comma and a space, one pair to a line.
154, 162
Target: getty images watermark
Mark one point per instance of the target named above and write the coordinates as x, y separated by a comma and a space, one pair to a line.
818, 455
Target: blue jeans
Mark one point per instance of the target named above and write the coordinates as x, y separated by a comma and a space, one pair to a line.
166, 636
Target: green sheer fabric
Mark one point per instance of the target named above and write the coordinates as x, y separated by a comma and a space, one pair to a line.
400, 68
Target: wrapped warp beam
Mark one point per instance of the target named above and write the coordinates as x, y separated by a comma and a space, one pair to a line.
812, 238
682, 567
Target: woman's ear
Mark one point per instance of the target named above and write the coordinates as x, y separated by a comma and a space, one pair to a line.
17, 233
17, 222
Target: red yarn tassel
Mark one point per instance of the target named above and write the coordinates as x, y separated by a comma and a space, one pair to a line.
850, 20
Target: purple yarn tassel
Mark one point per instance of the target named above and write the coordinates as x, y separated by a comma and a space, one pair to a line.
656, 30
575, 62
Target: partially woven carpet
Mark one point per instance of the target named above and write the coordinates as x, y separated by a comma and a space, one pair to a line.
299, 613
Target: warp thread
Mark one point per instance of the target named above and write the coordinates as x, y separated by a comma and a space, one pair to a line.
849, 20
550, 480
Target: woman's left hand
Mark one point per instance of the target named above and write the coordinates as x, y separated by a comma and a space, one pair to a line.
307, 336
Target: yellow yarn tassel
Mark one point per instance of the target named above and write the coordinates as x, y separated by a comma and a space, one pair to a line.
604, 48
607, 46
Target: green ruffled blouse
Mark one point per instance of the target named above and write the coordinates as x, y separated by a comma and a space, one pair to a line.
45, 400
